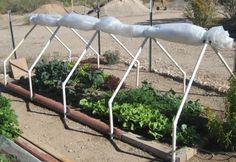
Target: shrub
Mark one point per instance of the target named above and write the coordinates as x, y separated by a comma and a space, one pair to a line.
112, 57
21, 6
229, 7
8, 120
201, 12
222, 132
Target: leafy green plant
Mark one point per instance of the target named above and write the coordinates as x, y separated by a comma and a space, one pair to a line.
151, 111
8, 120
112, 57
201, 12
49, 76
7, 158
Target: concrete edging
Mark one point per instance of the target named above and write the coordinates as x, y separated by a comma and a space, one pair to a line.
154, 148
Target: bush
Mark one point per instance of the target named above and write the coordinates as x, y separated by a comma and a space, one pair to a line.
112, 57
21, 6
201, 12
222, 132
8, 120
229, 7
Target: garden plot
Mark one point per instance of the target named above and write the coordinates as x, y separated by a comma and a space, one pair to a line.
91, 91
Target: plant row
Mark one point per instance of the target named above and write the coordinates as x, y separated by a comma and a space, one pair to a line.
143, 110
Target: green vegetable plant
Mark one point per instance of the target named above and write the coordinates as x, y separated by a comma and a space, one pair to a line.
222, 131
8, 120
148, 110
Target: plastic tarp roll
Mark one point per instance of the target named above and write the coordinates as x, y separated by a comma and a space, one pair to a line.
218, 37
112, 25
78, 21
178, 32
45, 19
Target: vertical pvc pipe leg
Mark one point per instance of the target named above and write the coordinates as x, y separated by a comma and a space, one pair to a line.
175, 122
119, 86
129, 53
85, 42
223, 61
9, 56
37, 59
5, 73
72, 71
175, 63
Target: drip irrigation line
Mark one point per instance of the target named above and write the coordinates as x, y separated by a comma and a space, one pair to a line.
212, 155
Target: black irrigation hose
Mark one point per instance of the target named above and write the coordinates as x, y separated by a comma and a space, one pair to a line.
212, 155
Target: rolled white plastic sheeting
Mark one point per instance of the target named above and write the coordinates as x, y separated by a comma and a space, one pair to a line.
45, 19
218, 37
174, 32
77, 21
178, 32
114, 26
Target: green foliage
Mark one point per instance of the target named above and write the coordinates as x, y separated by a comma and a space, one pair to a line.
222, 132
7, 158
85, 81
21, 6
49, 76
8, 120
112, 57
201, 12
148, 109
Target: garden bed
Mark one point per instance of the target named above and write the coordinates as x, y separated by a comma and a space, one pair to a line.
144, 110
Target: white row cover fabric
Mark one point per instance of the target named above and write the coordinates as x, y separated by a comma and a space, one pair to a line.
77, 21
178, 32
114, 26
175, 32
45, 19
218, 37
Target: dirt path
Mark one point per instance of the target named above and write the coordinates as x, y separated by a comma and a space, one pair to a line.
75, 141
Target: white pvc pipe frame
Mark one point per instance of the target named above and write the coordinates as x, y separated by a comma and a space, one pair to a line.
79, 60
175, 122
110, 102
22, 41
45, 47
176, 119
